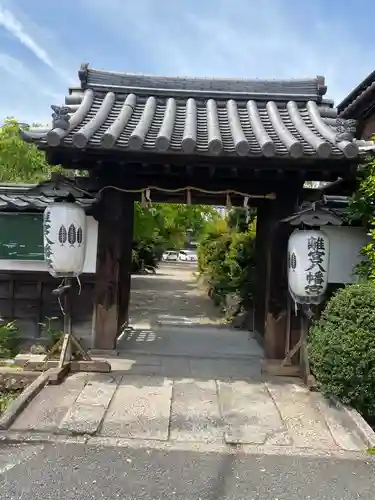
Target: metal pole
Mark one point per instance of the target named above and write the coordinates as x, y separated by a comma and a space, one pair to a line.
288, 323
68, 318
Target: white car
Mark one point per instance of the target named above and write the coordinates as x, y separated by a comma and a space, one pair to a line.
183, 256
193, 257
170, 255
187, 256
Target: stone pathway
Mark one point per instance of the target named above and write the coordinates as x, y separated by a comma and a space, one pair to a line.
189, 400
177, 382
170, 297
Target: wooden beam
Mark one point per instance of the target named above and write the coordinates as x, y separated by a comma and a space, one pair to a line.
89, 157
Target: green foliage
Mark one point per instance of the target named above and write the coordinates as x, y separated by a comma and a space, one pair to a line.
362, 209
9, 339
342, 348
50, 330
226, 259
20, 162
163, 226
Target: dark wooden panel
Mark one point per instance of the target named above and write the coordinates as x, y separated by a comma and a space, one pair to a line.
5, 288
28, 328
24, 308
26, 289
5, 308
82, 329
27, 298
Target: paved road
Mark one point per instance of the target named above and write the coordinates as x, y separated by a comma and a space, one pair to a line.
171, 295
82, 472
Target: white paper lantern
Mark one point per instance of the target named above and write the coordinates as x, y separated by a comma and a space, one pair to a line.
64, 231
308, 261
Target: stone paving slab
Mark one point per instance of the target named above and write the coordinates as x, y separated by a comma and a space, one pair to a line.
176, 368
333, 417
140, 409
250, 414
306, 425
48, 408
87, 412
191, 341
238, 410
195, 412
239, 369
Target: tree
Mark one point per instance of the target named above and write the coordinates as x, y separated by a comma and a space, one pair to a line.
166, 224
20, 162
226, 255
362, 209
163, 226
156, 227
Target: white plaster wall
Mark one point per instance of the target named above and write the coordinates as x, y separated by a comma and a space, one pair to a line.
345, 245
39, 265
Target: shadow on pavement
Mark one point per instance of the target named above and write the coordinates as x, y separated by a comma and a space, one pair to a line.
170, 295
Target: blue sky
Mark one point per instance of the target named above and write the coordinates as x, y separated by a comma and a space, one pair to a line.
43, 42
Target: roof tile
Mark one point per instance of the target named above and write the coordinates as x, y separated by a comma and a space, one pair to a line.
271, 118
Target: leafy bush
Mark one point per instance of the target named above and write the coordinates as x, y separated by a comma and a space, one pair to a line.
362, 211
342, 348
9, 339
226, 259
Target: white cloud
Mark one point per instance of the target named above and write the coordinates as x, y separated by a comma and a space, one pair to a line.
26, 77
16, 28
237, 38
27, 96
36, 39
29, 86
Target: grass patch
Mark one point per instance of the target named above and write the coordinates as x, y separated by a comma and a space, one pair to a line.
6, 397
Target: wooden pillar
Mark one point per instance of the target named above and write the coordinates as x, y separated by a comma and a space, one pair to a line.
276, 308
261, 241
115, 214
127, 228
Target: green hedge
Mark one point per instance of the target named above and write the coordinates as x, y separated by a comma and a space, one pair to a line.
227, 262
342, 348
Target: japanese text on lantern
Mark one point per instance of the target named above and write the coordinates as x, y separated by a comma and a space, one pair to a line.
314, 273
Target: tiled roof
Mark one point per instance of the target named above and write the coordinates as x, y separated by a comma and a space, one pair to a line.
15, 198
305, 89
199, 116
360, 100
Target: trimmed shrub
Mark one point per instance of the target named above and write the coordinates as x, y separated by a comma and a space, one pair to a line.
227, 262
342, 348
